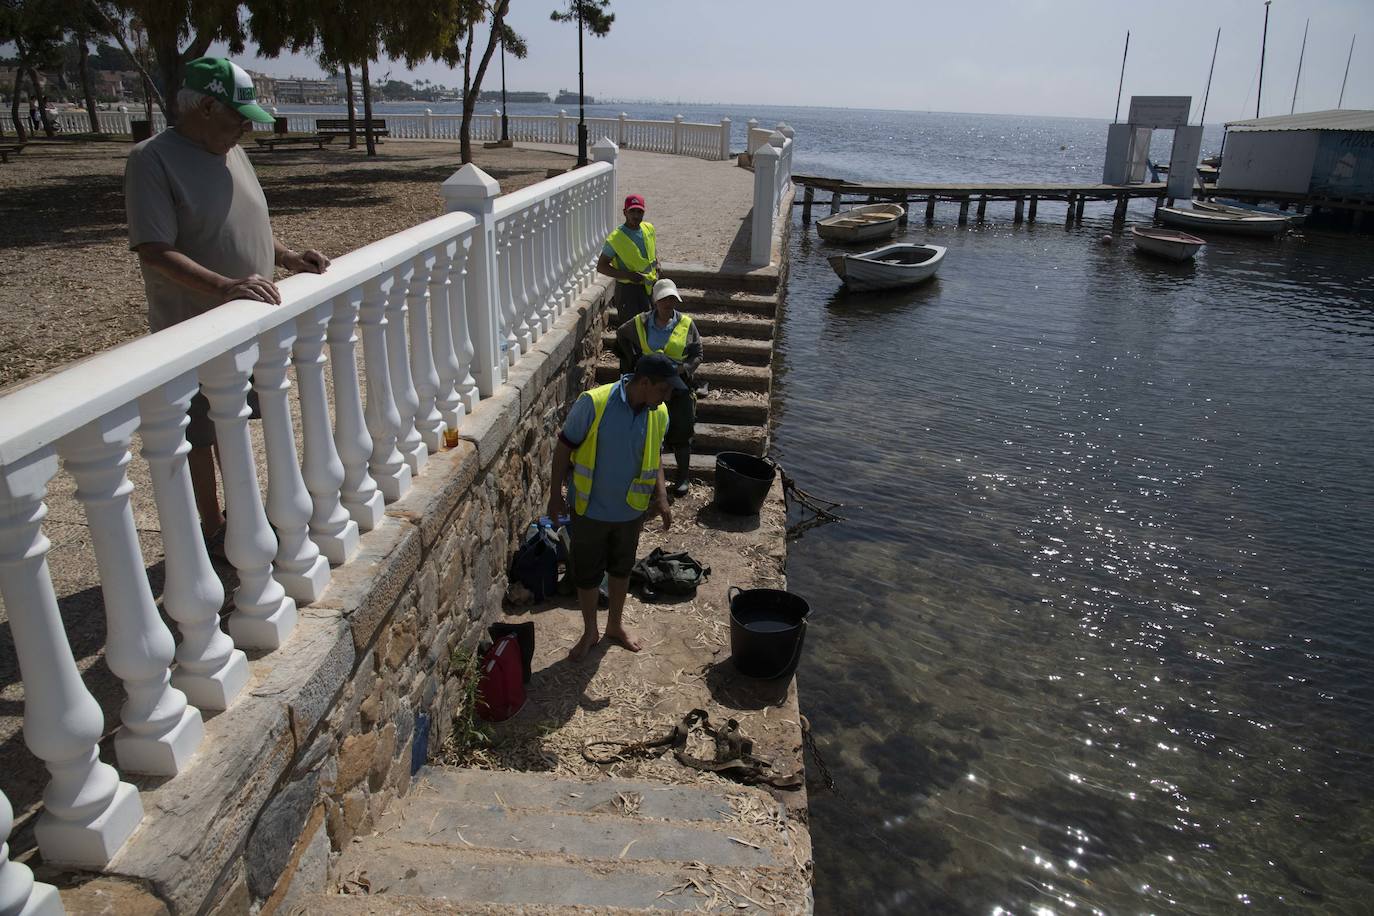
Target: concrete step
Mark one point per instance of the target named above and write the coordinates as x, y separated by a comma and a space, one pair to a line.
761, 280
473, 841
705, 301
716, 408
710, 438
717, 375
750, 352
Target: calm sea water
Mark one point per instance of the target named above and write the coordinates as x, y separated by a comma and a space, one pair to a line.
1097, 635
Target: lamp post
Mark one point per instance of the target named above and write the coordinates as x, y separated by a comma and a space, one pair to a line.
581, 96
505, 121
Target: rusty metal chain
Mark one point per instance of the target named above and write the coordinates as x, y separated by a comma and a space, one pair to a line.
809, 742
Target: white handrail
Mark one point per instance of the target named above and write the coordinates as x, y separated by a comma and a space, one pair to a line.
424, 303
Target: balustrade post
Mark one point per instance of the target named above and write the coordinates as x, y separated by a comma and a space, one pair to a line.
562, 118
506, 306
210, 671
470, 190
408, 440
386, 463
522, 277
359, 493
765, 205
445, 352
677, 134
724, 138
298, 565
334, 533
534, 268
567, 242
20, 895
429, 423
161, 731
264, 615
620, 137
88, 813
549, 263
429, 124
496, 125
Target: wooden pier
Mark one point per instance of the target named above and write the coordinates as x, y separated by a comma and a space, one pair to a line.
1026, 197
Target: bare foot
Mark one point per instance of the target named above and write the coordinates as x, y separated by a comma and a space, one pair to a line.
623, 639
584, 645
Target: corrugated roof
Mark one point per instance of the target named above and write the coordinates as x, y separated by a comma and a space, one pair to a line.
1335, 119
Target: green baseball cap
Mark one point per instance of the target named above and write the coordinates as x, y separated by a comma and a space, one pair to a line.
227, 81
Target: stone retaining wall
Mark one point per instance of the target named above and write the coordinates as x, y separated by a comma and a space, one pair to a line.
324, 736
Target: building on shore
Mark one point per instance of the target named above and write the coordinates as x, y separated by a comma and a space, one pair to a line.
301, 91
565, 97
1325, 153
494, 95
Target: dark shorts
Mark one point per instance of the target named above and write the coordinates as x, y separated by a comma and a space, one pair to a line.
682, 417
200, 432
631, 299
603, 548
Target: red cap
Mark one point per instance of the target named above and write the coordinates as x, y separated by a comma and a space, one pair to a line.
633, 202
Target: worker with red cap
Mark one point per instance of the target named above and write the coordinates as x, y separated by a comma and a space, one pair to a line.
630, 257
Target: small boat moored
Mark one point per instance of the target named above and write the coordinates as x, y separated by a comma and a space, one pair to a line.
1166, 243
862, 224
1232, 223
1240, 208
888, 267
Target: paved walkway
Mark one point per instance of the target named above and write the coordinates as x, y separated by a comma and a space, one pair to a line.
700, 209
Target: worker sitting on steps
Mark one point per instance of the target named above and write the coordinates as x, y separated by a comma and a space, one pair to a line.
666, 330
630, 256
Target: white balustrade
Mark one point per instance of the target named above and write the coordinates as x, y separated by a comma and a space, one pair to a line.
408, 439
88, 812
210, 671
765, 205
429, 423
359, 493
332, 529
520, 258
161, 730
20, 895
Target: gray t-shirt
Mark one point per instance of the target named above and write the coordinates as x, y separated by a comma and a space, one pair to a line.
210, 208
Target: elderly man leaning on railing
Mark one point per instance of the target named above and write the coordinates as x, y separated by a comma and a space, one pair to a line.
198, 220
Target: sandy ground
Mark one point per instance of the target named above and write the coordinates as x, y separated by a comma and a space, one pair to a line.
69, 287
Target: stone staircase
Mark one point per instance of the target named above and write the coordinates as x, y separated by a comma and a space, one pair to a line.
737, 329
470, 841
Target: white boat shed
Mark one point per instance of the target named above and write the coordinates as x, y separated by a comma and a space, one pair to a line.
1328, 154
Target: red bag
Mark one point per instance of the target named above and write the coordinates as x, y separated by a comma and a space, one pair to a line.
501, 691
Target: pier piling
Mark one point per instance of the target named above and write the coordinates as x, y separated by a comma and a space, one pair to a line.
834, 203
1068, 214
1082, 201
982, 207
1119, 215
906, 211
1020, 213
807, 196
930, 209
963, 210
1034, 200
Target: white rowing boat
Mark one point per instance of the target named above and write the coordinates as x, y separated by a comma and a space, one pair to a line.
1166, 243
1238, 209
862, 224
1233, 223
888, 267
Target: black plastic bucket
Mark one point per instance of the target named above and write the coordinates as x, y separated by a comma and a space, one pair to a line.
742, 482
767, 629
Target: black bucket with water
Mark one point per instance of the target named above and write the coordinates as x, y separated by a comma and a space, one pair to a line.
742, 482
767, 629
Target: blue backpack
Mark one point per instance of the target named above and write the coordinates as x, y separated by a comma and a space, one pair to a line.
535, 564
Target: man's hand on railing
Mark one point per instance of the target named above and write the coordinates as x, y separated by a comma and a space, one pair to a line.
308, 261
251, 287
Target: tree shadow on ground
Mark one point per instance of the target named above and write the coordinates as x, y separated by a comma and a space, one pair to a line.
72, 211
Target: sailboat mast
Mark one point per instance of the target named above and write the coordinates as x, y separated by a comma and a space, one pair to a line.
1210, 71
1347, 70
1301, 54
1122, 82
1264, 40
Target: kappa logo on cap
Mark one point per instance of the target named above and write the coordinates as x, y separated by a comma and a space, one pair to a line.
216, 86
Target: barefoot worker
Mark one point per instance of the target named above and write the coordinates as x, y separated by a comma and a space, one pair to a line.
610, 443
664, 329
198, 220
630, 255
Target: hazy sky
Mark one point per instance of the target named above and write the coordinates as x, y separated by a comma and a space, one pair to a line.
1048, 57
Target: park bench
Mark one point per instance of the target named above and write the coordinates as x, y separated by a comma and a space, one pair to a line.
5, 151
276, 143
340, 126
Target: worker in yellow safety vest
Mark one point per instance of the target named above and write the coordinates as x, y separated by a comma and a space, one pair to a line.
610, 446
630, 256
668, 330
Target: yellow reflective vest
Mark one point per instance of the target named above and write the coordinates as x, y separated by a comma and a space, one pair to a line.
584, 456
676, 347
629, 257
